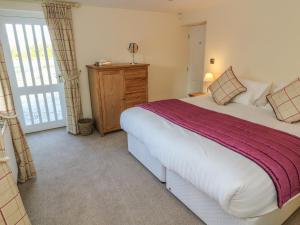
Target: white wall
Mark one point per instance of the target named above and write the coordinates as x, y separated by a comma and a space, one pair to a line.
261, 39
105, 33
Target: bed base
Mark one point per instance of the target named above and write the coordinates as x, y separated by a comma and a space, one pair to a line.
142, 154
207, 209
211, 213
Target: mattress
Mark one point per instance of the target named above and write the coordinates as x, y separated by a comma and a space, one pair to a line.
236, 183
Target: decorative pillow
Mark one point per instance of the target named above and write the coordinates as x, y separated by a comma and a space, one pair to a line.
286, 102
226, 87
256, 93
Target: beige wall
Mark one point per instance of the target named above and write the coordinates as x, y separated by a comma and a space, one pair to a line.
105, 33
261, 39
19, 5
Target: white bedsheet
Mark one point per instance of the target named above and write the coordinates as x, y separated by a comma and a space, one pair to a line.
241, 187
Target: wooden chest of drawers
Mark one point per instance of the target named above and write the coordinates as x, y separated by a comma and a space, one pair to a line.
115, 88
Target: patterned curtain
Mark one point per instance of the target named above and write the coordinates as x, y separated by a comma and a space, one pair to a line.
7, 111
58, 16
12, 210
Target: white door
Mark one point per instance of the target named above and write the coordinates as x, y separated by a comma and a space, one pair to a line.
33, 73
196, 43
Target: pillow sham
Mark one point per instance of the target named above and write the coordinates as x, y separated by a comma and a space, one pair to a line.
256, 93
286, 102
226, 87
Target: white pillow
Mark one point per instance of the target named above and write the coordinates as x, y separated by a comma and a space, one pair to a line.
268, 107
280, 85
256, 93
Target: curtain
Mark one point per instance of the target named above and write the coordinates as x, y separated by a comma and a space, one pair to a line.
58, 16
12, 210
7, 111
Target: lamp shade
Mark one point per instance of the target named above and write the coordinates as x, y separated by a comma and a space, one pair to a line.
209, 77
133, 47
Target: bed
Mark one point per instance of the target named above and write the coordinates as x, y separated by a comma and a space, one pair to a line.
217, 184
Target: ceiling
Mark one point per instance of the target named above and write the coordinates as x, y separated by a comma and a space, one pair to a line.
178, 6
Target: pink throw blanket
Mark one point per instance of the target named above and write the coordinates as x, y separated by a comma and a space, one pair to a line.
277, 152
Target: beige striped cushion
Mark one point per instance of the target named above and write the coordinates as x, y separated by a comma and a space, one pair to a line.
286, 102
12, 211
226, 87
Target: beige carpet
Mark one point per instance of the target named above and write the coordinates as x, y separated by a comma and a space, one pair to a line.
95, 181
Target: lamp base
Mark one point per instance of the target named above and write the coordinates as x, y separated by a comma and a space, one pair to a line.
205, 86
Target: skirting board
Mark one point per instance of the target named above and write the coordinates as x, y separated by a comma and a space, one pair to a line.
210, 211
141, 153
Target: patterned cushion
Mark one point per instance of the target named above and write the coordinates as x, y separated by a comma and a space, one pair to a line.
226, 87
286, 102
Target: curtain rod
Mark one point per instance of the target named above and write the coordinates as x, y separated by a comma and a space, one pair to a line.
73, 4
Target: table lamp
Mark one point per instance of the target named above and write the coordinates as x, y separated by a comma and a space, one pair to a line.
208, 79
133, 48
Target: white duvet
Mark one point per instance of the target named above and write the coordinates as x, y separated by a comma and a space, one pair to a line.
240, 186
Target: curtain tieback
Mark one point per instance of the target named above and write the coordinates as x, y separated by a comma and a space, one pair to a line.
66, 78
71, 78
7, 115
4, 159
